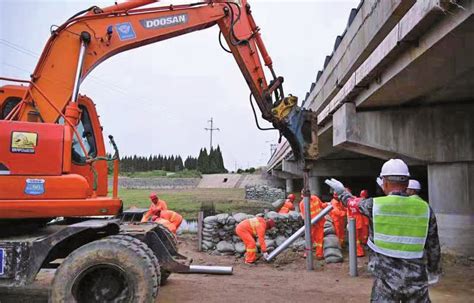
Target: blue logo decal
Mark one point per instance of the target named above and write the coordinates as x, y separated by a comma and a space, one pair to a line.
125, 31
34, 187
2, 261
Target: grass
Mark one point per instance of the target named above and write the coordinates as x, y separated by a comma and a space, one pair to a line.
161, 173
188, 202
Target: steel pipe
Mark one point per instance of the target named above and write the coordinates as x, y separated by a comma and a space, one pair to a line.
352, 248
307, 233
214, 270
297, 234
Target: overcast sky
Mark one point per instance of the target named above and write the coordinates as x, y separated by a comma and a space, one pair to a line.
158, 98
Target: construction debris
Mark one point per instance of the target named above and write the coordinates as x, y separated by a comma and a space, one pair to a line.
263, 193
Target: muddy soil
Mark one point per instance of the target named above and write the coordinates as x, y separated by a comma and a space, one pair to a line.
285, 280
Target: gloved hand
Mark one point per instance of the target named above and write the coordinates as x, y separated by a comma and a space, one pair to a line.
265, 255
336, 185
433, 279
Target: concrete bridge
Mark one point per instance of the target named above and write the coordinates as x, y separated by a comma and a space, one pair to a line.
399, 83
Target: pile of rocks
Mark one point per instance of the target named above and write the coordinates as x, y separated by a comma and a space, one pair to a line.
219, 235
263, 193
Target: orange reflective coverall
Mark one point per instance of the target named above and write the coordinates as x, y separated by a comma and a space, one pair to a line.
287, 206
154, 210
317, 230
170, 226
353, 212
338, 215
247, 230
365, 230
172, 216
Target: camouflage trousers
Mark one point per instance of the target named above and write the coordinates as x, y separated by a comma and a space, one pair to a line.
384, 292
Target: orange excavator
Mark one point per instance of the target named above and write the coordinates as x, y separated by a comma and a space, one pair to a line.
53, 163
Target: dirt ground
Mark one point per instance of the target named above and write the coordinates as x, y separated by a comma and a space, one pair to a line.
285, 280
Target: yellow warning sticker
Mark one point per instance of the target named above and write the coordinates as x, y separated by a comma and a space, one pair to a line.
23, 142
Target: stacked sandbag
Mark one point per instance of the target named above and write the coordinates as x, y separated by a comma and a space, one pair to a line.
219, 234
263, 193
332, 248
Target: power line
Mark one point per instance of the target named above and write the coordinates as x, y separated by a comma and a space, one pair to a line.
102, 82
211, 129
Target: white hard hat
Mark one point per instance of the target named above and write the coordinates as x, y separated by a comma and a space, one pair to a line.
395, 168
380, 182
414, 184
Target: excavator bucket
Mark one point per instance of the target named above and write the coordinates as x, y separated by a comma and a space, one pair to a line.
299, 126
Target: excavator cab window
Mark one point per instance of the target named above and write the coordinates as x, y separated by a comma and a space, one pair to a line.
84, 128
8, 106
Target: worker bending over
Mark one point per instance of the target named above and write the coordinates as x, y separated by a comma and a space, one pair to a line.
250, 229
317, 229
338, 215
288, 205
364, 194
414, 187
171, 216
169, 226
403, 237
156, 206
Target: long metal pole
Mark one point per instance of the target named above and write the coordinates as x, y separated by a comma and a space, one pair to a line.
215, 270
307, 222
297, 234
352, 248
85, 39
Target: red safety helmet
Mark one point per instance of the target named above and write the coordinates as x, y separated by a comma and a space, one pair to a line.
291, 197
270, 223
364, 194
153, 196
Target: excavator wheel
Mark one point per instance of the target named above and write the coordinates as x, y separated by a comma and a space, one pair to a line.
164, 273
113, 269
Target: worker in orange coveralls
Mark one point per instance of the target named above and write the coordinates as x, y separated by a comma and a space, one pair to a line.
288, 205
170, 226
317, 229
338, 215
248, 230
364, 194
173, 217
156, 206
353, 212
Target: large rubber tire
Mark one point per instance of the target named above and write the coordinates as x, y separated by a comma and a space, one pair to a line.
149, 252
113, 269
164, 273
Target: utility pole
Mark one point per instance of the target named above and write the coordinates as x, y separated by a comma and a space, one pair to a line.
211, 129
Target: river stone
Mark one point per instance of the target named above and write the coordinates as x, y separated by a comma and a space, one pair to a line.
279, 240
239, 247
224, 246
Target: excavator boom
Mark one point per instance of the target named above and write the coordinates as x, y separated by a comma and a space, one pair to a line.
52, 102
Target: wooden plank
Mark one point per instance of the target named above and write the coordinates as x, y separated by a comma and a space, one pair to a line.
200, 225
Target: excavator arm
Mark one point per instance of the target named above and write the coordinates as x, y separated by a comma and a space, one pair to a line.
94, 35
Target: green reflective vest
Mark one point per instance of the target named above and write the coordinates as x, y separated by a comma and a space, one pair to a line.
400, 226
